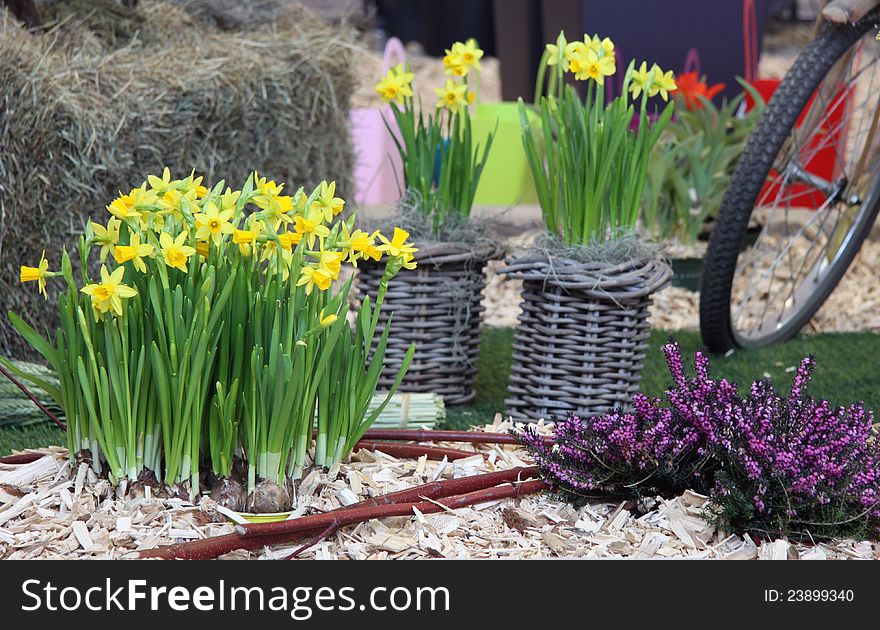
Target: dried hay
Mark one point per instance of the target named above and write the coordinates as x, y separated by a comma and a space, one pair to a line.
49, 509
80, 120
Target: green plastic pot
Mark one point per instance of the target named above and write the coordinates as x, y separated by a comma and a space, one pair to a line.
506, 179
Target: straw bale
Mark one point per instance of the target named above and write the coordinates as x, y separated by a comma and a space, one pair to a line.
82, 117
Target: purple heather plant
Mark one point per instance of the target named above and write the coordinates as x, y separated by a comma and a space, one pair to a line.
655, 449
795, 464
782, 464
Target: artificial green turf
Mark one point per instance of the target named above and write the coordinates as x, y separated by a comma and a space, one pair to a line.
847, 371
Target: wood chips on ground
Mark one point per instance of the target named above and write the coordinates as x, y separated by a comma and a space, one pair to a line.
51, 509
853, 306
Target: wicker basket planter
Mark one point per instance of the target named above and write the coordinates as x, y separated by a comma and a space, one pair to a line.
439, 308
580, 343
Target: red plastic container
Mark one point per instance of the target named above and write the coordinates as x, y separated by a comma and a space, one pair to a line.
825, 163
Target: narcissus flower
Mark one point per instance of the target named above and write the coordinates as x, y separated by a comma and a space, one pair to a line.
452, 96
664, 82
311, 227
601, 47
134, 251
397, 246
592, 66
123, 208
106, 237
327, 202
289, 239
160, 185
328, 320
212, 224
314, 277
396, 86
640, 81
562, 52
108, 295
361, 245
37, 274
246, 238
331, 263
174, 250
461, 58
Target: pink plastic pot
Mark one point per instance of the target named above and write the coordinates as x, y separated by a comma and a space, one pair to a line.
378, 171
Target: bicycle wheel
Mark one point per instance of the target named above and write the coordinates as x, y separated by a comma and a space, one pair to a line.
810, 176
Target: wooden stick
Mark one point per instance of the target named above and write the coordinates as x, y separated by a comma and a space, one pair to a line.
213, 547
473, 437
22, 458
415, 451
338, 518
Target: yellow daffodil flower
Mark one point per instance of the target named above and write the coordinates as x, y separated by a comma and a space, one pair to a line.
641, 80
290, 239
452, 66
160, 185
328, 320
663, 82
134, 251
106, 237
359, 245
313, 277
409, 261
193, 184
397, 246
327, 202
310, 227
174, 251
468, 54
594, 67
245, 239
330, 262
37, 274
229, 199
108, 295
601, 47
266, 187
569, 51
452, 96
123, 208
396, 86
203, 248
212, 224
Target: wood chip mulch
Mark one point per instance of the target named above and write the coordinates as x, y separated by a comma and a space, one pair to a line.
51, 509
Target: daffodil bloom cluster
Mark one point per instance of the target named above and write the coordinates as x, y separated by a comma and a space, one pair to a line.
462, 57
592, 58
445, 131
589, 156
215, 324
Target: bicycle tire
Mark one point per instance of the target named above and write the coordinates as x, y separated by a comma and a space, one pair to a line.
753, 168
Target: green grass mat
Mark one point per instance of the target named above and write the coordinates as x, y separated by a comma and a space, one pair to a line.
847, 371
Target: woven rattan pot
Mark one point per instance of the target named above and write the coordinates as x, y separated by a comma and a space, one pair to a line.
580, 343
438, 306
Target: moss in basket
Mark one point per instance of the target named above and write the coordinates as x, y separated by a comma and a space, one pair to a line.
214, 340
